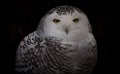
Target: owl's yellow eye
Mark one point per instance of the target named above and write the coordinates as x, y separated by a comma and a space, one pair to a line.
56, 20
76, 20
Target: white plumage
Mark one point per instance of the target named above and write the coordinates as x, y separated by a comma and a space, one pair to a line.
62, 44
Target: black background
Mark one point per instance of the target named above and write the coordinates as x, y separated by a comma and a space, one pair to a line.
22, 17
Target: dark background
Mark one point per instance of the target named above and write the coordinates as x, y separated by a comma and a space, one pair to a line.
22, 18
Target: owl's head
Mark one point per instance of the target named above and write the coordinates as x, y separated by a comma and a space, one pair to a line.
65, 22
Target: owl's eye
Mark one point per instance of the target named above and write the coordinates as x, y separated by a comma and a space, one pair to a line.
56, 20
76, 20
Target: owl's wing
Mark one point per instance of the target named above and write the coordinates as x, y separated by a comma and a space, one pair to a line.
26, 54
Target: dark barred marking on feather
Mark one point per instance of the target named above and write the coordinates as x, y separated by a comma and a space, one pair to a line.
64, 10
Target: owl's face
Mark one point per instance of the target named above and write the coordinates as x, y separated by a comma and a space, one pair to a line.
66, 23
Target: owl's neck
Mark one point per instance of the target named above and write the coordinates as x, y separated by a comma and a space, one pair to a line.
70, 38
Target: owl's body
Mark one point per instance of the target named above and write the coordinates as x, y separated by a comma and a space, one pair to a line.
60, 45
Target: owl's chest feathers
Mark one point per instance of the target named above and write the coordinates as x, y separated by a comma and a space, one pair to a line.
67, 54
62, 54
69, 44
76, 50
70, 48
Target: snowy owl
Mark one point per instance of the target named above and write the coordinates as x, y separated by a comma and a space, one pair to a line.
63, 43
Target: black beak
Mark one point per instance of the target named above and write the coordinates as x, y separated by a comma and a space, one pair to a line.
66, 30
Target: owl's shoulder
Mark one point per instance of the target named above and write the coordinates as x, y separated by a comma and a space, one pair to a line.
31, 41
